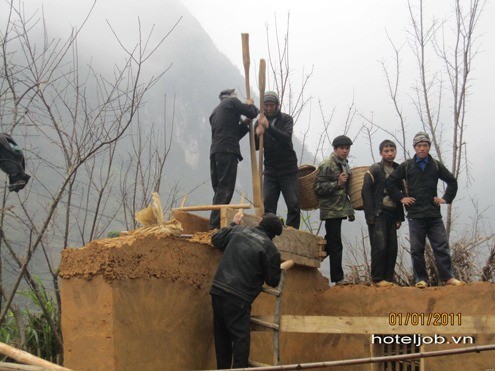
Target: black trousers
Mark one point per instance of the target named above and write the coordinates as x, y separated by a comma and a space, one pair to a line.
383, 240
231, 329
223, 173
289, 186
334, 248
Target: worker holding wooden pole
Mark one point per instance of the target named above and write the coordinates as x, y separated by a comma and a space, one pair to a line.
227, 129
280, 174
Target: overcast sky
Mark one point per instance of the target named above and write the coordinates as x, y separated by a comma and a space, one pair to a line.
344, 41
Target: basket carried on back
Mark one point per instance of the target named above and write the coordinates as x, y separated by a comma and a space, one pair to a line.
355, 185
307, 195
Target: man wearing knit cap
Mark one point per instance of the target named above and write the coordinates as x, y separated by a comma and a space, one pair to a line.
280, 174
421, 174
227, 129
249, 259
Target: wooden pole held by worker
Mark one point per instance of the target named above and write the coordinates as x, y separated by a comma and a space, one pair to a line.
262, 84
257, 200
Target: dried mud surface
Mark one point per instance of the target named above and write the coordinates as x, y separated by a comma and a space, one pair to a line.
159, 286
133, 257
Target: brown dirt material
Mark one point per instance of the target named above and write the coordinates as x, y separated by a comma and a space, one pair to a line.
142, 303
202, 237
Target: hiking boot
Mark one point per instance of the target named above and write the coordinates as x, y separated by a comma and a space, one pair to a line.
343, 282
384, 284
421, 284
454, 282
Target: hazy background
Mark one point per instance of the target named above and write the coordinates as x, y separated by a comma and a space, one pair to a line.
343, 41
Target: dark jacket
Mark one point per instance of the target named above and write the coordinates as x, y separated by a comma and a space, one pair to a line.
249, 259
226, 125
334, 200
279, 155
12, 161
373, 192
422, 185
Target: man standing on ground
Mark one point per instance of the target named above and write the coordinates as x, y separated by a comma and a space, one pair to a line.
280, 172
227, 130
421, 174
332, 187
383, 216
249, 259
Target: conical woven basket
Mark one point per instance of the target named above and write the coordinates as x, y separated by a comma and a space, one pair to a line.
355, 186
308, 197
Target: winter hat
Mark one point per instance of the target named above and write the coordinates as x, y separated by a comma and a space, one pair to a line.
271, 224
342, 140
421, 137
227, 94
271, 97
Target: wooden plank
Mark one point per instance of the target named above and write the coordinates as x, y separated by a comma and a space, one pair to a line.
298, 259
271, 291
27, 358
212, 207
7, 366
264, 322
292, 241
190, 223
223, 218
379, 325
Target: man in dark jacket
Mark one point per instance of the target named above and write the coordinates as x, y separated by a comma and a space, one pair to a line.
383, 216
227, 130
12, 162
249, 259
421, 174
280, 172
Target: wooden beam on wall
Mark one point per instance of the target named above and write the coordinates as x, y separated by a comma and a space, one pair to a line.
380, 325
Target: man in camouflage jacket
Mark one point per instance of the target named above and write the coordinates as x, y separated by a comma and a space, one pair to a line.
332, 185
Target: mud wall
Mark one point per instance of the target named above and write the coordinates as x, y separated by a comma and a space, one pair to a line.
142, 303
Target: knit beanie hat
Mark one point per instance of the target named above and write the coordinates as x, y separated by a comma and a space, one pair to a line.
271, 97
421, 137
227, 94
271, 224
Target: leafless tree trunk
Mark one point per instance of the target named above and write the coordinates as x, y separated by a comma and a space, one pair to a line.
48, 95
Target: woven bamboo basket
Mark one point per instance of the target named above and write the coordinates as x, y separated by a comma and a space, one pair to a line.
308, 197
355, 186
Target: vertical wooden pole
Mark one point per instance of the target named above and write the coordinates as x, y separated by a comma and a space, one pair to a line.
262, 84
257, 198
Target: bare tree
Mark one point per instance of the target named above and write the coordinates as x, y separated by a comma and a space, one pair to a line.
62, 107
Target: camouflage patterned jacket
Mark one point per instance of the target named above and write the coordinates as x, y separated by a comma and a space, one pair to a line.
334, 200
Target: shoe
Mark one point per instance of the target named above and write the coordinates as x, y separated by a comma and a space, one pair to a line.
17, 186
454, 282
421, 284
343, 282
384, 284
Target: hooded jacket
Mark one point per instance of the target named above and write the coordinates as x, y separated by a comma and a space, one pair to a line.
249, 259
227, 129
